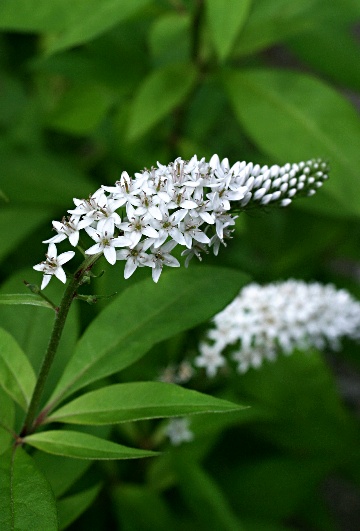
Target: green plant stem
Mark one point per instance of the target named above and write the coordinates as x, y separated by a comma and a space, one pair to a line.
58, 327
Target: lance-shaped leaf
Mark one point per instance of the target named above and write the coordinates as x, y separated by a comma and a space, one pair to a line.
17, 376
294, 116
143, 315
71, 21
226, 18
159, 94
26, 499
82, 446
138, 400
24, 299
71, 507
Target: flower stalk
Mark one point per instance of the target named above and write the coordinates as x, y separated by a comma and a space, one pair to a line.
70, 293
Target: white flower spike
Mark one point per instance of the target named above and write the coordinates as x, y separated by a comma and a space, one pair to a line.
192, 203
263, 321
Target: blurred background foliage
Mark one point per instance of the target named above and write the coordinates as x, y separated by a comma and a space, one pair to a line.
90, 88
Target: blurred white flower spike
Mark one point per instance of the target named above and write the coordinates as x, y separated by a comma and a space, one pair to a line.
192, 203
280, 317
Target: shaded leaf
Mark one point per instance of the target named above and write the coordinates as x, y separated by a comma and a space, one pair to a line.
226, 18
26, 499
138, 507
82, 446
24, 299
71, 507
159, 94
143, 315
138, 400
17, 376
294, 117
203, 496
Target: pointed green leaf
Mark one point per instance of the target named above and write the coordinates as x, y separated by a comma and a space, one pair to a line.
26, 499
72, 21
295, 117
143, 315
226, 18
71, 507
159, 94
27, 299
203, 496
138, 400
17, 376
7, 419
82, 446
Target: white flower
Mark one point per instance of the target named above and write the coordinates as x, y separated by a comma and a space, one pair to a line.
178, 431
106, 243
53, 265
280, 317
210, 359
135, 257
69, 228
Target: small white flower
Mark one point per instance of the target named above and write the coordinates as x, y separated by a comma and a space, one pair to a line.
135, 257
210, 359
106, 243
53, 265
178, 431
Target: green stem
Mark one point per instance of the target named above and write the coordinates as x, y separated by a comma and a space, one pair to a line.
58, 327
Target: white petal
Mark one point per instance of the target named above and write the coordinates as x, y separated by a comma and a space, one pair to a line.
97, 248
45, 281
52, 251
130, 267
110, 254
74, 238
65, 257
60, 274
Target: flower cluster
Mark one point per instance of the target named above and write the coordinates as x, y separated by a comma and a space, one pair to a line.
189, 203
279, 317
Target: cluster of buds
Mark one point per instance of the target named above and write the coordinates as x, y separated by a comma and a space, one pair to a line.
279, 317
193, 204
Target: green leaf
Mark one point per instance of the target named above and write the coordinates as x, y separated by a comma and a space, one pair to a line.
293, 117
26, 499
143, 315
81, 109
71, 507
36, 325
82, 446
15, 230
159, 94
24, 299
226, 18
72, 21
135, 401
271, 22
203, 496
7, 420
17, 376
138, 507
170, 38
337, 58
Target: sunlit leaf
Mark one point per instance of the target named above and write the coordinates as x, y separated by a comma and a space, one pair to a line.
24, 299
82, 446
143, 315
138, 400
17, 376
26, 499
